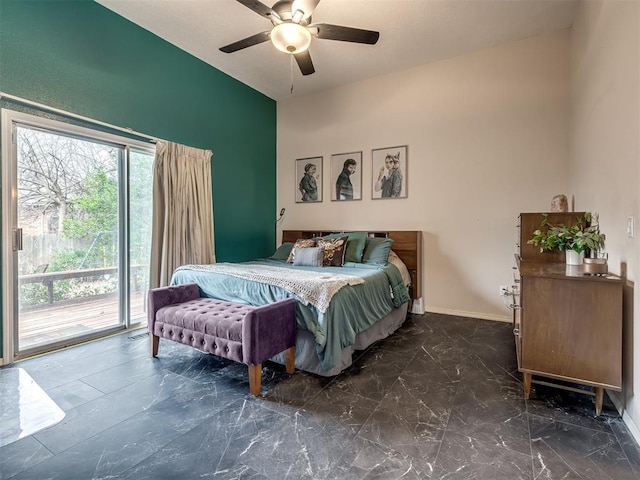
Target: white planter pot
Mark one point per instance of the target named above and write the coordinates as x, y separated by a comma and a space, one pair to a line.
574, 258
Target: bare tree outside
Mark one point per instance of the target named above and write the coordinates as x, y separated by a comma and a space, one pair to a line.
53, 171
68, 209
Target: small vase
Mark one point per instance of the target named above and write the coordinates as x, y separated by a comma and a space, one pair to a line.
574, 258
595, 266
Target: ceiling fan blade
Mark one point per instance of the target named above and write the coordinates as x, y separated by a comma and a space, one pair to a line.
246, 42
304, 62
260, 8
346, 34
306, 6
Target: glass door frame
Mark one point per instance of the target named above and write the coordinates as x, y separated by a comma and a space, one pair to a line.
9, 119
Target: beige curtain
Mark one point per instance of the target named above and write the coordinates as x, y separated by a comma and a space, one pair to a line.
182, 231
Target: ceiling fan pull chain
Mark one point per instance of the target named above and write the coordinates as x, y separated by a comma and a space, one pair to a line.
291, 56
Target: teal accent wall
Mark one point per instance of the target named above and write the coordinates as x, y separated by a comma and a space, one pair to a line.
81, 57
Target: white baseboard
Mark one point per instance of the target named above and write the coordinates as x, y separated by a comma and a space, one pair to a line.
417, 306
633, 427
616, 400
461, 313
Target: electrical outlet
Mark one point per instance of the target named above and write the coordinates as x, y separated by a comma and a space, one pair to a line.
503, 291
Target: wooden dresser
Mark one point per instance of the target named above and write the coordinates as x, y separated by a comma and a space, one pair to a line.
567, 325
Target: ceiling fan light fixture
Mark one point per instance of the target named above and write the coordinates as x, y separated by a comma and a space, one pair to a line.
290, 37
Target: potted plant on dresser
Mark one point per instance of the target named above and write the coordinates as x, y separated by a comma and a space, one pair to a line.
575, 240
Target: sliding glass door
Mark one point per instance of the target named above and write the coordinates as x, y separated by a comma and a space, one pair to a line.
140, 200
79, 260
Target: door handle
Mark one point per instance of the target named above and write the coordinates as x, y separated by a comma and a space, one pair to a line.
17, 239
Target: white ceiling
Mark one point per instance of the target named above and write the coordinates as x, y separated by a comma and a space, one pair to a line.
412, 32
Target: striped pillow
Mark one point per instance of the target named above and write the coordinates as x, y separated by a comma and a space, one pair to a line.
301, 243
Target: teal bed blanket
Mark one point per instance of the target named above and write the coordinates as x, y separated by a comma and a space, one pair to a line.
352, 308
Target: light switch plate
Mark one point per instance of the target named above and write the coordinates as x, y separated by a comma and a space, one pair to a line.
630, 227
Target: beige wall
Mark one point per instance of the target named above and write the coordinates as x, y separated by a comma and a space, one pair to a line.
605, 82
487, 136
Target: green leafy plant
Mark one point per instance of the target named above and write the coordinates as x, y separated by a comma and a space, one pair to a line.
576, 237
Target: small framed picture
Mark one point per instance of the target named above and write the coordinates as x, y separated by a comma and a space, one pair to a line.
389, 172
309, 180
346, 176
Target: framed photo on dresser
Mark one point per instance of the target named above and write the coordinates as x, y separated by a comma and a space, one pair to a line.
389, 176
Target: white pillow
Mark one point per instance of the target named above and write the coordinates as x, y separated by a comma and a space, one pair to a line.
404, 272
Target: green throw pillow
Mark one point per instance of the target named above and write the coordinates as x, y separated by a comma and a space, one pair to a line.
355, 245
283, 251
376, 250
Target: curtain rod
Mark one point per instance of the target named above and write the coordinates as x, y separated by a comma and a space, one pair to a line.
76, 116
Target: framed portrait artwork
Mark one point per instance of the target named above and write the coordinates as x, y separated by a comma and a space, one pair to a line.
389, 172
346, 176
309, 180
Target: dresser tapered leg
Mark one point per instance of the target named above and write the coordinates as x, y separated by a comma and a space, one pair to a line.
526, 377
599, 398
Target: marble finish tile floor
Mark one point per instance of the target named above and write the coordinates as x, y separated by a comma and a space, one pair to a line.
440, 399
24, 407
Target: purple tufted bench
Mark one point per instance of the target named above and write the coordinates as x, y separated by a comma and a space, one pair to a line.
243, 333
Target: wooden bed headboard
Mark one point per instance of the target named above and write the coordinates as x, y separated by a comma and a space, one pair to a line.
406, 243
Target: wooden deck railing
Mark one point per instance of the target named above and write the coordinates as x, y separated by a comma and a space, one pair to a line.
48, 278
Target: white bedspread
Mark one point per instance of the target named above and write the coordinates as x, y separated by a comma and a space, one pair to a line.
310, 287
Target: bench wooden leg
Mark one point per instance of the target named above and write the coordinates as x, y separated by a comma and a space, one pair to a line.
290, 359
155, 341
255, 378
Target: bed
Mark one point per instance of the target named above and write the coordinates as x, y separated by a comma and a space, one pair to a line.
369, 303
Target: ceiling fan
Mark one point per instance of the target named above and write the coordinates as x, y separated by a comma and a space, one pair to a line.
292, 30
